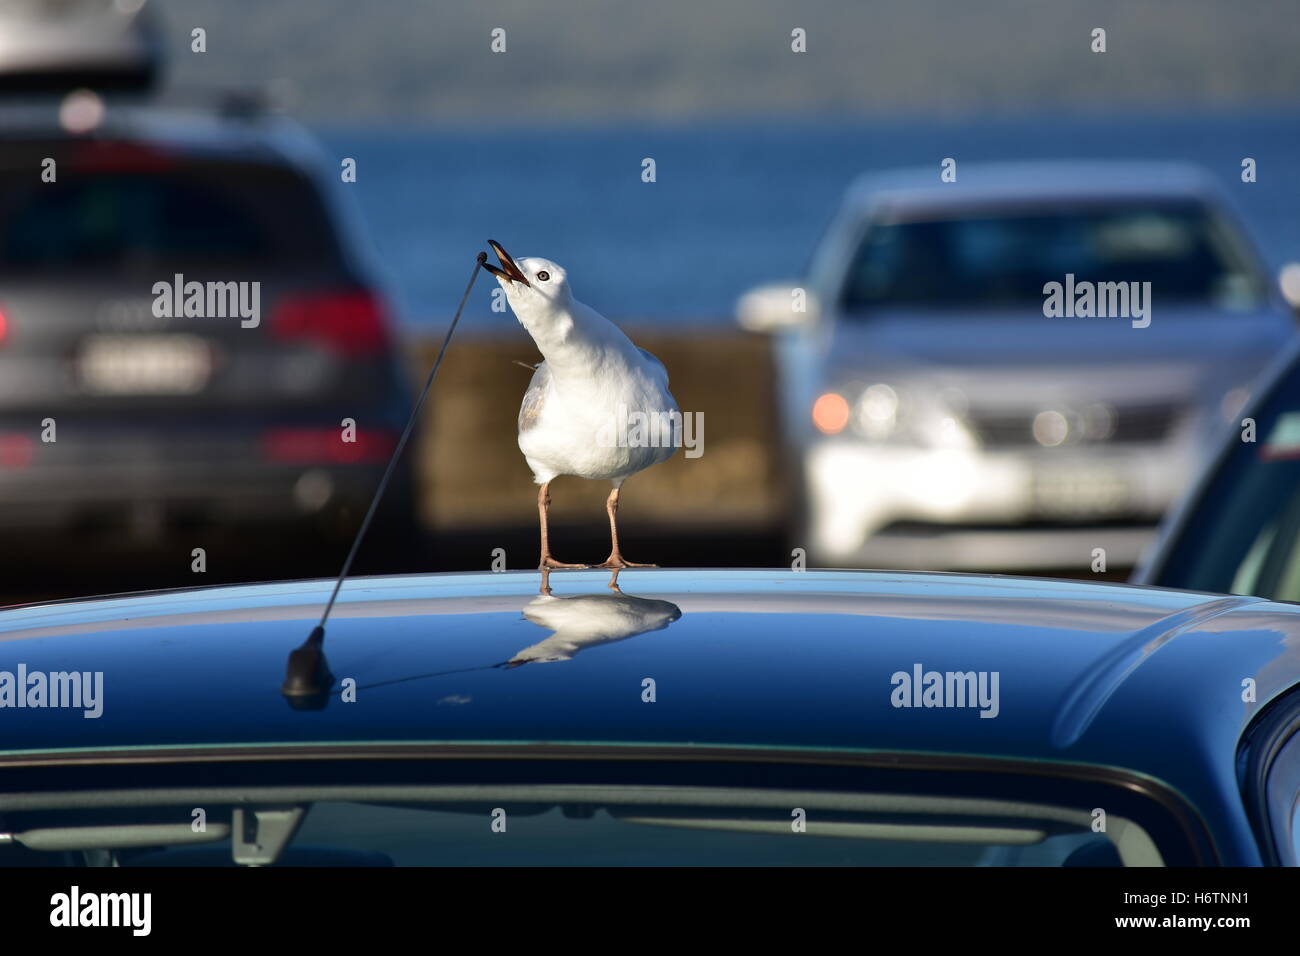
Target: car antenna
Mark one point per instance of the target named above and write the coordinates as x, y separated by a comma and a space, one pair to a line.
307, 680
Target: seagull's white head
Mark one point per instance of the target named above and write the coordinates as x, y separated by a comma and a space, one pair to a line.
535, 288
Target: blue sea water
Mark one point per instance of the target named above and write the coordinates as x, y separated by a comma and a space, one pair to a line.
733, 205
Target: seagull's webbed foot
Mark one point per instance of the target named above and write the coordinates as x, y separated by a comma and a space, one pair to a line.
617, 562
549, 563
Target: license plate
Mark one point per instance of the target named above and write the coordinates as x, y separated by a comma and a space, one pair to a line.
144, 364
1081, 492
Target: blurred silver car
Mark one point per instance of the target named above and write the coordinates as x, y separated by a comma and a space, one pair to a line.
941, 407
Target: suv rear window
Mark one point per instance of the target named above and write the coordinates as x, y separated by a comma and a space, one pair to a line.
151, 219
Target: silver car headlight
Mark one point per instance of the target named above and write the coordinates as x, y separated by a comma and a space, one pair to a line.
885, 414
876, 414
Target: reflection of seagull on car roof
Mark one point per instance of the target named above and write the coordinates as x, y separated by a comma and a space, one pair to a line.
593, 376
586, 620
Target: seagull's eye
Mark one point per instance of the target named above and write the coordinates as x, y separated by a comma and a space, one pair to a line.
543, 275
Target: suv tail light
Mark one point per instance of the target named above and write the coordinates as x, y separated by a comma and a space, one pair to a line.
120, 156
4, 327
310, 446
16, 450
351, 323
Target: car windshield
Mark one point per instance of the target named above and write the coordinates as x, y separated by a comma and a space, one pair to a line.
988, 260
1243, 534
207, 214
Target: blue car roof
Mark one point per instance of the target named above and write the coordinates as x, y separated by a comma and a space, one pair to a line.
743, 658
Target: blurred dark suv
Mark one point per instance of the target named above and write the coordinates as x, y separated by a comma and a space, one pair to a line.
190, 335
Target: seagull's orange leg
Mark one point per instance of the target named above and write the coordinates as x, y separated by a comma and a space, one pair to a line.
616, 559
543, 503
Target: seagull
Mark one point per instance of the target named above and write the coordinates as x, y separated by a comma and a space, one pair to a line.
575, 415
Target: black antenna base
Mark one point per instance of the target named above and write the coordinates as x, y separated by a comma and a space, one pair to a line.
307, 680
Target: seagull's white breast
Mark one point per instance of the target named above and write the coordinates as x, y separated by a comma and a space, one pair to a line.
583, 410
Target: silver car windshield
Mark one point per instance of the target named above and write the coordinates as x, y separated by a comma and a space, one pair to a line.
1003, 259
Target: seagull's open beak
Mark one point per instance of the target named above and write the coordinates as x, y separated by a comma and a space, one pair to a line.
508, 268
